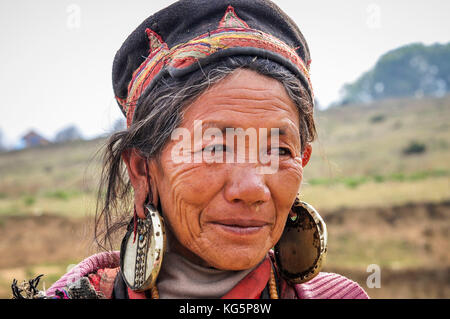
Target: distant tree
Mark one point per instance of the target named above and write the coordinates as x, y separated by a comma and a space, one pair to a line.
413, 70
70, 133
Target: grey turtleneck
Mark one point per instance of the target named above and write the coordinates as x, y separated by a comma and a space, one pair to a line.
181, 278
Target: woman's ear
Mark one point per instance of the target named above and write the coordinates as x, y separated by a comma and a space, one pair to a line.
140, 176
306, 154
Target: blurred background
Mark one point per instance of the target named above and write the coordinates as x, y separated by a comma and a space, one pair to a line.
380, 168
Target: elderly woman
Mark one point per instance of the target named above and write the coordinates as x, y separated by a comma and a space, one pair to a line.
219, 109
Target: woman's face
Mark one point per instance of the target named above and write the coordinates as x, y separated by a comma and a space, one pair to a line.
230, 214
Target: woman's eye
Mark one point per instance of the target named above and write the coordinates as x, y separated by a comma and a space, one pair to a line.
215, 148
280, 151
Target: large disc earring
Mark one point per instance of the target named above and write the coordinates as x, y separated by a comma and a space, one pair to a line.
142, 250
301, 250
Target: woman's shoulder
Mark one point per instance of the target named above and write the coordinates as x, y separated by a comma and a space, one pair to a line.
91, 278
325, 285
330, 286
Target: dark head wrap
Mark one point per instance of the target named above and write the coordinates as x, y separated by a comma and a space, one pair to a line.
192, 33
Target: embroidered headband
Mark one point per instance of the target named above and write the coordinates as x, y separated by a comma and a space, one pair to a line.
233, 36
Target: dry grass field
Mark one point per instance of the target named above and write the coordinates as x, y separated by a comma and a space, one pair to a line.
380, 176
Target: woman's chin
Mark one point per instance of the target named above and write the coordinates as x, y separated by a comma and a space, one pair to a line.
237, 258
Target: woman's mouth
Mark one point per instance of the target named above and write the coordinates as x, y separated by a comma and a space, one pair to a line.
241, 226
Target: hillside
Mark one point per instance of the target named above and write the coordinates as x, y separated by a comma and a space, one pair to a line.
367, 154
411, 70
54, 179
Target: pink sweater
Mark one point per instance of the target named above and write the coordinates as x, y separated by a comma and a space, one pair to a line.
323, 286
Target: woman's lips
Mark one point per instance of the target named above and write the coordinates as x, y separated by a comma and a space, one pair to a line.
241, 226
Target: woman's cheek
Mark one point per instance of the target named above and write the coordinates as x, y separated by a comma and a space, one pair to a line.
188, 189
195, 183
284, 186
289, 175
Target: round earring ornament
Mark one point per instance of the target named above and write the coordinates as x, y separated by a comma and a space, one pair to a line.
301, 250
142, 250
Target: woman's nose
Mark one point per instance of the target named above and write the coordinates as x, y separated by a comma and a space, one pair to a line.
246, 185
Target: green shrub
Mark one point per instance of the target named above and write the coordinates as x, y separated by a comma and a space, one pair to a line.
59, 194
379, 178
29, 200
414, 147
399, 177
418, 176
377, 118
353, 182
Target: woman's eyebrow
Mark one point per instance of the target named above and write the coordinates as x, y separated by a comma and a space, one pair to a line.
221, 126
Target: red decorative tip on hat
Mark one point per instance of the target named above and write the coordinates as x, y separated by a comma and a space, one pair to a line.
231, 20
155, 40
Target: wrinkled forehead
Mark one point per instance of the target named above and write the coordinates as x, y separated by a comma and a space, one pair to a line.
244, 99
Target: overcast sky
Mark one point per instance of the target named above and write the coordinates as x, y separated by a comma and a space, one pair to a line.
56, 56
